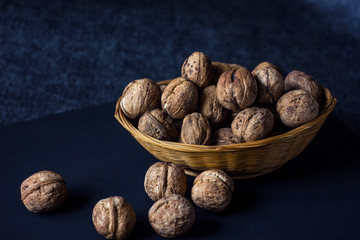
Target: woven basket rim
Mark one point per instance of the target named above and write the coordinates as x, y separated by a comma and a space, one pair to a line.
329, 105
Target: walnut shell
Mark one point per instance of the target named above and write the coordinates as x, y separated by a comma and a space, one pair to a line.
43, 191
218, 69
197, 68
297, 107
299, 80
267, 65
270, 85
158, 124
114, 218
212, 190
236, 89
252, 124
179, 98
172, 216
140, 96
210, 106
196, 129
163, 179
224, 136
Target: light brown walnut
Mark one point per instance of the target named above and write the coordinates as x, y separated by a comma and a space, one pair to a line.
43, 191
210, 106
198, 69
253, 124
196, 129
158, 124
163, 179
236, 89
172, 216
179, 98
267, 65
114, 218
140, 96
297, 107
212, 190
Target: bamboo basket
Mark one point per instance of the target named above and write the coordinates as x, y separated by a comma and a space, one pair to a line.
240, 161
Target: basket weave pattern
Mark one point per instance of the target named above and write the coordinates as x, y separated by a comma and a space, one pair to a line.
242, 160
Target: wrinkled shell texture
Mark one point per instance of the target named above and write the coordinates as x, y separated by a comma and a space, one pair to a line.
43, 191
210, 106
212, 190
179, 98
196, 129
172, 216
140, 96
198, 69
236, 89
270, 85
163, 179
252, 124
158, 124
224, 136
266, 65
219, 68
297, 107
114, 218
296, 80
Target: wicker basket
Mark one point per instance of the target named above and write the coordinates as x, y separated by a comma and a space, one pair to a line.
242, 160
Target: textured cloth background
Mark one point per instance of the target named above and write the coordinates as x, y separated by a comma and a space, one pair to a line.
57, 56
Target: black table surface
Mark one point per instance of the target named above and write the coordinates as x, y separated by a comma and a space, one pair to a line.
314, 196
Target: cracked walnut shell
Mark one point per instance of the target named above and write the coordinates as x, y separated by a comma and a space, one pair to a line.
114, 218
198, 69
43, 191
212, 190
172, 216
140, 96
196, 129
163, 179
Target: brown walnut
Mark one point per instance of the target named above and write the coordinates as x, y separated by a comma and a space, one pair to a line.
299, 80
43, 191
236, 89
210, 106
218, 69
212, 190
172, 216
140, 96
270, 85
267, 65
158, 124
297, 107
224, 136
179, 98
252, 124
114, 218
198, 69
163, 179
196, 129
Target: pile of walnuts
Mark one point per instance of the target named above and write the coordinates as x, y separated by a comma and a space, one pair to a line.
215, 103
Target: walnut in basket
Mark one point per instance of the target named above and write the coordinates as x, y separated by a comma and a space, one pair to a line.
158, 124
198, 69
218, 69
179, 98
196, 129
224, 136
210, 106
252, 124
297, 107
140, 96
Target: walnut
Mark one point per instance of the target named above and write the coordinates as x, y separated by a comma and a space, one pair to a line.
299, 80
197, 68
270, 85
297, 107
196, 129
218, 69
212, 190
210, 106
158, 124
236, 89
252, 124
114, 218
172, 216
179, 98
224, 136
163, 179
140, 96
43, 191
267, 65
